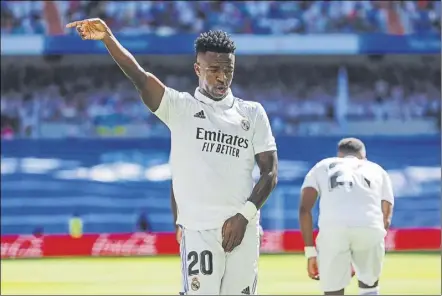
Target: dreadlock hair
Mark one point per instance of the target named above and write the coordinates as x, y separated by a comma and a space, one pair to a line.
214, 41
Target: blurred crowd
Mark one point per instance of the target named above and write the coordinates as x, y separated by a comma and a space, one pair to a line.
90, 96
257, 17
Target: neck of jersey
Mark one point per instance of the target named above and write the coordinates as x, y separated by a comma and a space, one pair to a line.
227, 102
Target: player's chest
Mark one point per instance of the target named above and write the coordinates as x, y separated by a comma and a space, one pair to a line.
218, 132
228, 121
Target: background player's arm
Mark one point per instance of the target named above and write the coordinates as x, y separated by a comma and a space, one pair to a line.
387, 200
309, 195
150, 88
307, 202
387, 211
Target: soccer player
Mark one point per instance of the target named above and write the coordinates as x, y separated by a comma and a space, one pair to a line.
216, 139
355, 210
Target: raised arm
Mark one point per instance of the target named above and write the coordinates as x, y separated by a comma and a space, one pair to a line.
150, 88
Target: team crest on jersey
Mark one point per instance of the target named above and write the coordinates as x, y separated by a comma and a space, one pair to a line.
195, 285
245, 124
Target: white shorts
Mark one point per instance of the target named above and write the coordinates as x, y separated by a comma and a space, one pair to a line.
338, 248
208, 270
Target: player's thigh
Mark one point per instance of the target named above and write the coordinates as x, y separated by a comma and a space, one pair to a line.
334, 259
368, 252
202, 262
241, 273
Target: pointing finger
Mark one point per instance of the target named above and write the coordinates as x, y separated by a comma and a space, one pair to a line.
74, 24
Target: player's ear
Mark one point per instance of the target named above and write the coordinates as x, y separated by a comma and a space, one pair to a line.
197, 69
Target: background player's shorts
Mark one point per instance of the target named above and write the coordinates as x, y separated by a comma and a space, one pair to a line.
208, 270
339, 247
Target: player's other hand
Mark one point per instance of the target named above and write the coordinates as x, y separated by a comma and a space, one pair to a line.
91, 29
178, 234
233, 232
312, 268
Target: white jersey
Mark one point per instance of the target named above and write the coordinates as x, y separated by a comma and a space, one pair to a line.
213, 148
350, 192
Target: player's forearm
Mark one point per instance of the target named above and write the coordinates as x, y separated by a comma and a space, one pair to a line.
260, 193
263, 188
307, 201
268, 164
306, 225
126, 61
387, 211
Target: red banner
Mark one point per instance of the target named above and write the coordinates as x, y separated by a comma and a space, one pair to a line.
144, 244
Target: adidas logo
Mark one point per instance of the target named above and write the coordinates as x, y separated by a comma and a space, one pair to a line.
246, 291
200, 115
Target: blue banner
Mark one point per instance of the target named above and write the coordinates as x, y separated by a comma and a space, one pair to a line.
136, 44
111, 183
316, 44
22, 44
409, 44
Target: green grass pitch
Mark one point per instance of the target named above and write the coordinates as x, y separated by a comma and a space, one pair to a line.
404, 274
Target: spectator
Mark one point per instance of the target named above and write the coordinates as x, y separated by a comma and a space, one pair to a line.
143, 224
257, 17
94, 100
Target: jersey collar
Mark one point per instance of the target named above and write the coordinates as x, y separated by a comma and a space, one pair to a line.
226, 102
353, 157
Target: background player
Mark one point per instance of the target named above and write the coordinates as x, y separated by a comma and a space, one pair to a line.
216, 140
355, 210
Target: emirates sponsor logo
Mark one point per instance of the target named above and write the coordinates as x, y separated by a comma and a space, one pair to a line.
24, 246
136, 244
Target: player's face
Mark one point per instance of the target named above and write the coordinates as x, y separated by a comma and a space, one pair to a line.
215, 73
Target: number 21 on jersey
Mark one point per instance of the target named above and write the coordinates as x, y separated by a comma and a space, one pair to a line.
340, 176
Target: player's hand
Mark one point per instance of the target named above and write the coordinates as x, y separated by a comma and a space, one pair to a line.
233, 232
178, 234
91, 29
312, 268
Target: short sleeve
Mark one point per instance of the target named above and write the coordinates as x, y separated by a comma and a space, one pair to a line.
311, 179
387, 188
171, 105
263, 139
